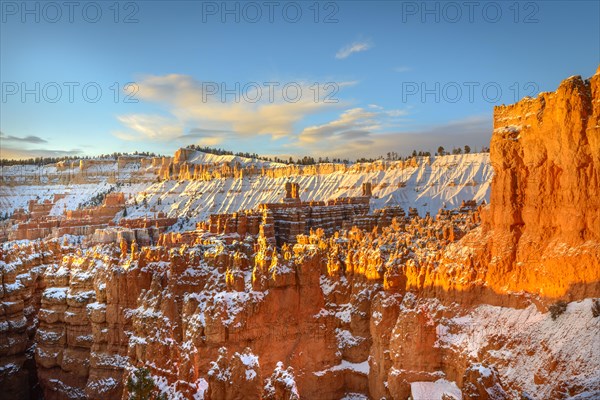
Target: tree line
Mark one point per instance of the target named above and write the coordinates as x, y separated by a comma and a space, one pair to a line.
53, 160
305, 160
308, 160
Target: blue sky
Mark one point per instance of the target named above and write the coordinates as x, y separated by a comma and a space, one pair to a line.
405, 75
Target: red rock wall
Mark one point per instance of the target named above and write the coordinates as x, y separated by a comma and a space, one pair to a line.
544, 215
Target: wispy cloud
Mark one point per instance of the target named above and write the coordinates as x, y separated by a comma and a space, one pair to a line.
190, 116
352, 48
17, 147
206, 137
148, 127
13, 153
354, 127
474, 131
402, 69
352, 124
26, 139
191, 105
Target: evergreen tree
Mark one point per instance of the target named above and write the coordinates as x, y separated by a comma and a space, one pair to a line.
141, 385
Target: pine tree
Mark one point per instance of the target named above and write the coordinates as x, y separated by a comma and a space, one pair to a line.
141, 385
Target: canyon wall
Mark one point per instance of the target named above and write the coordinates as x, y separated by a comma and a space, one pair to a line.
540, 234
22, 266
544, 216
327, 318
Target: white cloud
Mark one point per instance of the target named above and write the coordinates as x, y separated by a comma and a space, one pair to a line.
192, 105
352, 48
396, 113
365, 133
357, 132
148, 127
354, 127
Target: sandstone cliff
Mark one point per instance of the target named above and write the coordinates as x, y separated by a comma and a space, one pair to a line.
541, 232
545, 203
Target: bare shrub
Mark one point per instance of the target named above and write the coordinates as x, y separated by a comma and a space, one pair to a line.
557, 309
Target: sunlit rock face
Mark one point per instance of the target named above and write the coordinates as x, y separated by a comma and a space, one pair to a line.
544, 215
198, 306
541, 232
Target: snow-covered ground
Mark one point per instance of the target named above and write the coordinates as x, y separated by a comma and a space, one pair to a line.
435, 390
446, 181
199, 157
530, 349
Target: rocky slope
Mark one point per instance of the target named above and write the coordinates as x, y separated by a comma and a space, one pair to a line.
327, 318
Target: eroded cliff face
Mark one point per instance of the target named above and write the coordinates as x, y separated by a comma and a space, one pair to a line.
22, 268
194, 309
325, 319
544, 214
541, 232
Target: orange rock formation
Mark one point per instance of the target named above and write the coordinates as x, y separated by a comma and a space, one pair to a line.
544, 216
362, 303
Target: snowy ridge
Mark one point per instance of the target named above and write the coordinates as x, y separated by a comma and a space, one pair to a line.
200, 157
427, 186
